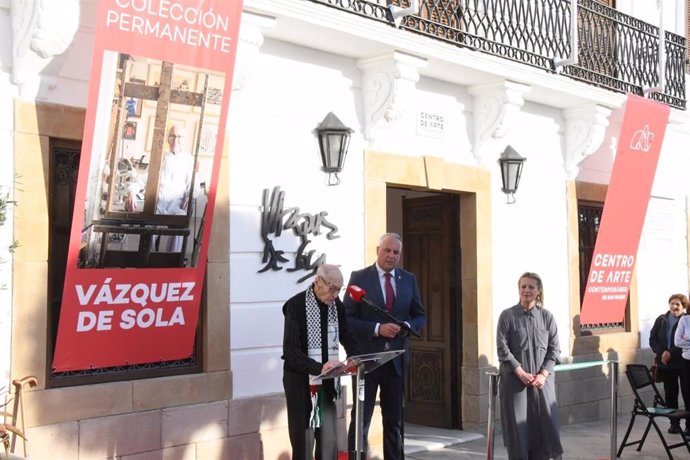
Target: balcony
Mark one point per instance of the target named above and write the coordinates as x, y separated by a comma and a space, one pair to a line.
615, 51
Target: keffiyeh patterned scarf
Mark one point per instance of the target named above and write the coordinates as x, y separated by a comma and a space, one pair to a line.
314, 343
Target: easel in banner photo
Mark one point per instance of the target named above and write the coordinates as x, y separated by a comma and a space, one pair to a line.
359, 365
150, 227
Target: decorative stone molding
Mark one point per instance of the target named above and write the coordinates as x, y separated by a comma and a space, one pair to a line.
387, 87
496, 107
585, 130
251, 37
41, 29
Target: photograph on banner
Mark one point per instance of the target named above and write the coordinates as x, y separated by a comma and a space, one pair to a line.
152, 160
155, 119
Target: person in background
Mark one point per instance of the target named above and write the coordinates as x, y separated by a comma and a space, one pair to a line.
682, 340
669, 357
528, 349
315, 325
397, 291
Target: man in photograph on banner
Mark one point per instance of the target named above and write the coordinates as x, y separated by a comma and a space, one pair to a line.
174, 183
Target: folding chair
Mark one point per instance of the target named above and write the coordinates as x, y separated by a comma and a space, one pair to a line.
639, 377
13, 424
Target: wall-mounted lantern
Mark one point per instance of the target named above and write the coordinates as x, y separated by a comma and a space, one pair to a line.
334, 139
511, 169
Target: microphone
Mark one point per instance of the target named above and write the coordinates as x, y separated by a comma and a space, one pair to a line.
358, 294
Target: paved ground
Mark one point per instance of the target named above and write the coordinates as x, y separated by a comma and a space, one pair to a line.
585, 441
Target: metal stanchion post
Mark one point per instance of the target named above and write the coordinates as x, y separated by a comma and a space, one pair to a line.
491, 425
359, 418
613, 374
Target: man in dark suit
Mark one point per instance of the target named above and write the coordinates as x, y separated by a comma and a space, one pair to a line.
396, 290
315, 325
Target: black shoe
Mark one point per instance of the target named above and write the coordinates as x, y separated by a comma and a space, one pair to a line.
675, 429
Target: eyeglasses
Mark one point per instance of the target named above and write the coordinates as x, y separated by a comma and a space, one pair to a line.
332, 289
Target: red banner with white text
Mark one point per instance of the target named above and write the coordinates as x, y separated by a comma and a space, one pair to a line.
158, 102
615, 251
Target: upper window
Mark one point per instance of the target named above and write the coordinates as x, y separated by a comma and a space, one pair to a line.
589, 219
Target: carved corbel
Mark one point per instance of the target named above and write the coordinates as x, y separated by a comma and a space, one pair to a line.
251, 37
41, 30
496, 107
585, 129
388, 84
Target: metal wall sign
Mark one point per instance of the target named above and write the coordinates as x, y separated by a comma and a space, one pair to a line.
431, 124
275, 219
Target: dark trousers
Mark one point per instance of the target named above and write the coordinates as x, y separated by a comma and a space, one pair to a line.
390, 384
302, 436
670, 378
684, 386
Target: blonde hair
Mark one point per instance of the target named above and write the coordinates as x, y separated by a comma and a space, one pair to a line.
540, 286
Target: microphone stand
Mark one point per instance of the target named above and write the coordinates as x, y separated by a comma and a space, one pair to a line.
403, 325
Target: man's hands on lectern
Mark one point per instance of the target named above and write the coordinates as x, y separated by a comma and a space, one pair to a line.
329, 365
388, 330
350, 367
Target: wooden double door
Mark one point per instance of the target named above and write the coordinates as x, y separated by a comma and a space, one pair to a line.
431, 250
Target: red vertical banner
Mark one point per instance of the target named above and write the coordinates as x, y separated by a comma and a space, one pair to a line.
615, 251
158, 101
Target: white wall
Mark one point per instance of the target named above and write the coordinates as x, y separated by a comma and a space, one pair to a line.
272, 143
434, 97
662, 265
674, 12
531, 234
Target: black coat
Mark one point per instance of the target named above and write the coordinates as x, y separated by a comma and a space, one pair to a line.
658, 341
297, 364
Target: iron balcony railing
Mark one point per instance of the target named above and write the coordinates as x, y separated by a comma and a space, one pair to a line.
615, 51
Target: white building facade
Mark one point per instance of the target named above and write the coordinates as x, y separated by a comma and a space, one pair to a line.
432, 104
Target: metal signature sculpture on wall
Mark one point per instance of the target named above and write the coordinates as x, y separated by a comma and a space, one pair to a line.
275, 219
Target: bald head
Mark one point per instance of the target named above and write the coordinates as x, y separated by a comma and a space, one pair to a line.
330, 273
328, 283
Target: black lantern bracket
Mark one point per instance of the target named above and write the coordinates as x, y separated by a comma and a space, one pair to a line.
334, 140
511, 164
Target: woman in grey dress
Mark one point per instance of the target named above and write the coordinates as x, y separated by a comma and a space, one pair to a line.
528, 350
